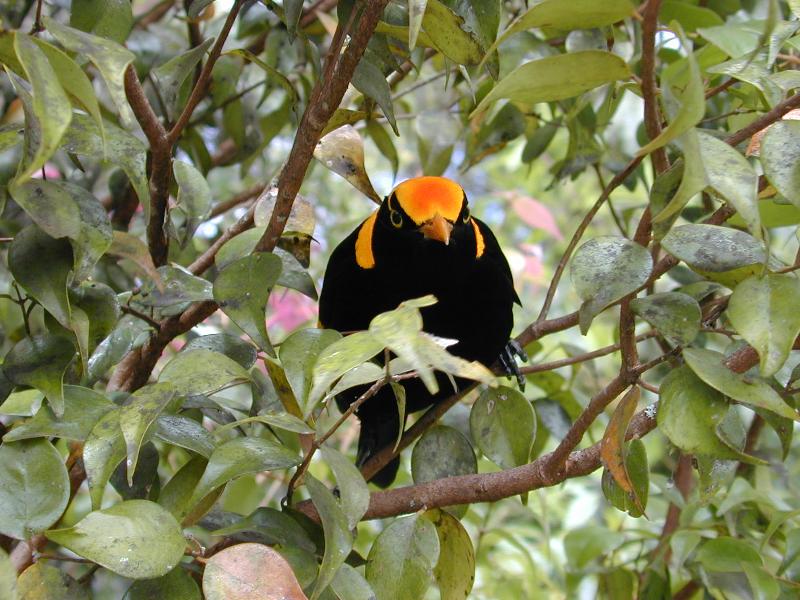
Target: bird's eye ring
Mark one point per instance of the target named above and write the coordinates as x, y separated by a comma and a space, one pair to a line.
465, 218
396, 218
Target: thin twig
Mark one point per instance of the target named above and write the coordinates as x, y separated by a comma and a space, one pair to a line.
325, 99
128, 310
199, 89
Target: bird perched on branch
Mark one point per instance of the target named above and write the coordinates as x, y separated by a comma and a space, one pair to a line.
421, 240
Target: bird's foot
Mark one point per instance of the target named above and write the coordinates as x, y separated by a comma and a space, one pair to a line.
509, 364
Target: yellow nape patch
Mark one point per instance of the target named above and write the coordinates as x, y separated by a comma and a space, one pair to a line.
480, 245
422, 197
364, 256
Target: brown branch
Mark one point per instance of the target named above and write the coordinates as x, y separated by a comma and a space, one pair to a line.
490, 487
310, 14
652, 119
199, 89
763, 121
325, 99
572, 360
160, 165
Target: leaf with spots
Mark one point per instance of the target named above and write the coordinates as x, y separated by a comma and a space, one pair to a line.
605, 270
136, 539
242, 289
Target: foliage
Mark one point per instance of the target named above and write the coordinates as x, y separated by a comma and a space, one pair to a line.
163, 386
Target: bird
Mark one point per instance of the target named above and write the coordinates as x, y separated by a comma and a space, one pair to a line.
421, 240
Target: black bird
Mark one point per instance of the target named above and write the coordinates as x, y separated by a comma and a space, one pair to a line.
421, 240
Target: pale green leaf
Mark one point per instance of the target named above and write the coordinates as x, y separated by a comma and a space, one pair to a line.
34, 487
557, 77
762, 310
136, 539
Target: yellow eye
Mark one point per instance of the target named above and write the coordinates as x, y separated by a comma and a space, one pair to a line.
396, 218
465, 219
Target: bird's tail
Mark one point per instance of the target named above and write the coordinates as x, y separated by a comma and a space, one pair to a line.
378, 430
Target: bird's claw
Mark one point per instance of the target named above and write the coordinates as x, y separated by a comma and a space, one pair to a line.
508, 362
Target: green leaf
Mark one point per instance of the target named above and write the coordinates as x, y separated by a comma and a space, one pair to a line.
726, 554
110, 58
73, 80
51, 106
175, 585
180, 287
385, 145
447, 34
416, 10
177, 494
83, 408
43, 265
400, 330
171, 75
585, 544
242, 289
202, 371
137, 416
41, 581
298, 354
34, 487
184, 432
273, 526
792, 552
689, 414
675, 315
194, 198
780, 158
763, 584
196, 7
272, 73
731, 176
40, 362
95, 235
117, 145
691, 103
103, 451
112, 19
349, 584
8, 577
370, 81
49, 206
639, 474
503, 425
455, 570
709, 366
557, 77
577, 14
761, 309
353, 491
293, 11
229, 345
721, 253
281, 420
131, 247
606, 269
241, 456
250, 571
442, 452
136, 539
401, 561
338, 358
338, 539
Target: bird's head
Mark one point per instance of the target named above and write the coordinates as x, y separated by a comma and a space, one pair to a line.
433, 206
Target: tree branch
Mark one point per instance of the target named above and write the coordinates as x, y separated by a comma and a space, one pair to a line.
325, 99
199, 89
160, 165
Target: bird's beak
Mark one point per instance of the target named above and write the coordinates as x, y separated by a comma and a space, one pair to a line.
438, 228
